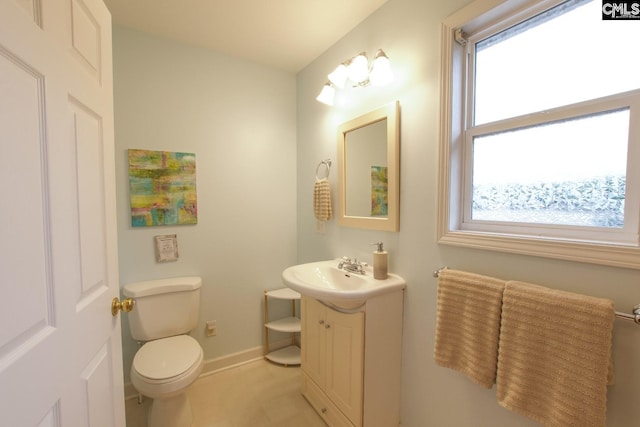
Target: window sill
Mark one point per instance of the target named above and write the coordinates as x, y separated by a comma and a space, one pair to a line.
615, 255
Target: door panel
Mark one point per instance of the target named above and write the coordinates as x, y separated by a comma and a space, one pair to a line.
87, 135
31, 8
24, 199
85, 40
98, 383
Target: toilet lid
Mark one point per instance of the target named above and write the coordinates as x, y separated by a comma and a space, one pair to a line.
167, 357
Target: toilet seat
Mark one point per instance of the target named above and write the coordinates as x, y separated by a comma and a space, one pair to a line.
167, 358
165, 367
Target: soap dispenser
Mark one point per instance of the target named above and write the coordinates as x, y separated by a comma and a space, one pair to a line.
379, 262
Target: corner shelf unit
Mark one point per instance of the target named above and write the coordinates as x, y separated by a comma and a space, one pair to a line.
289, 355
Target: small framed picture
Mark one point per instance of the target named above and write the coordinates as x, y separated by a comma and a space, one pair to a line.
166, 248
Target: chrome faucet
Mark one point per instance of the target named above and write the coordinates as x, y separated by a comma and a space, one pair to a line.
352, 266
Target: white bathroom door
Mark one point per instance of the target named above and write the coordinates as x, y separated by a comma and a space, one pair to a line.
60, 348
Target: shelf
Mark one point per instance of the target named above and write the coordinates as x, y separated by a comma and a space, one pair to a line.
290, 325
285, 356
284, 293
287, 324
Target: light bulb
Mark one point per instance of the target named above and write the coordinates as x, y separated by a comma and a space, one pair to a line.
339, 76
381, 74
358, 69
327, 94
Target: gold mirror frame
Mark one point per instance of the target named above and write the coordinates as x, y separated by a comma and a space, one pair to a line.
390, 112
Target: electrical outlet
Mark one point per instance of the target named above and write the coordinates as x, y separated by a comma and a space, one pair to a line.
211, 328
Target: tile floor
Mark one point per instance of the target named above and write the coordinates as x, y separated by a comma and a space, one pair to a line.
257, 394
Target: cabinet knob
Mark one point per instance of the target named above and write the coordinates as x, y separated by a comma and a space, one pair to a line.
327, 326
323, 410
321, 322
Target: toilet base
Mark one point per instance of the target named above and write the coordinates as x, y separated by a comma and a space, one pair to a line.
174, 411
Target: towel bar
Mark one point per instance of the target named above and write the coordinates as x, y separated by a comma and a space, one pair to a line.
635, 317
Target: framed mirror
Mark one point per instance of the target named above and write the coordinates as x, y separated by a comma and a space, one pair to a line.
369, 170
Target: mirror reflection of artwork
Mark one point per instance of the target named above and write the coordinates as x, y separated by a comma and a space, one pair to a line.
364, 147
162, 188
379, 183
369, 170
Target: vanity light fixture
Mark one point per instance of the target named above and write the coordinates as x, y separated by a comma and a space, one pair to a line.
357, 72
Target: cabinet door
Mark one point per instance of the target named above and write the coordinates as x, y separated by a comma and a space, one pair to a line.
345, 362
313, 339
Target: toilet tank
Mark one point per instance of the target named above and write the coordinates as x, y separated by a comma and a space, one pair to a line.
164, 307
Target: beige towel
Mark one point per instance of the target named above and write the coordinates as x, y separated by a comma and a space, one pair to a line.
322, 200
554, 356
468, 324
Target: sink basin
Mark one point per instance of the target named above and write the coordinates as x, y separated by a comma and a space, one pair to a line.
342, 289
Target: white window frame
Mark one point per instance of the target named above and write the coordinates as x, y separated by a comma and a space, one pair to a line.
454, 227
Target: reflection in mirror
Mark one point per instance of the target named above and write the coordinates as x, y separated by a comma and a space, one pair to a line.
365, 150
368, 170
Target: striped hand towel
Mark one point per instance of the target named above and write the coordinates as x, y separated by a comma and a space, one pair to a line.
321, 201
467, 326
555, 355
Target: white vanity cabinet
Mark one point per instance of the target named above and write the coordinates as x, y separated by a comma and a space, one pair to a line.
351, 361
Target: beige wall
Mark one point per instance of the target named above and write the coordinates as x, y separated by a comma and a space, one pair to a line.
409, 32
239, 120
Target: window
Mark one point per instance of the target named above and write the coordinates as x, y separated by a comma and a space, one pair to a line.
540, 116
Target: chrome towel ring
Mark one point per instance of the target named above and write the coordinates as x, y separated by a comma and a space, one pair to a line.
327, 165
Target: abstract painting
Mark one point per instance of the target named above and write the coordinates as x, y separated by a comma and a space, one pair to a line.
379, 188
162, 188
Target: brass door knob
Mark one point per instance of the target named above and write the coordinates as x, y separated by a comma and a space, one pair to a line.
125, 305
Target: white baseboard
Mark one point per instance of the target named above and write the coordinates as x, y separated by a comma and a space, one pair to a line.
218, 364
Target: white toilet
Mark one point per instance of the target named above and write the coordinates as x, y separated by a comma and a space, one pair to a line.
169, 361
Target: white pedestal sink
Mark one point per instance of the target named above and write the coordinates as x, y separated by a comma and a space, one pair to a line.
323, 280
